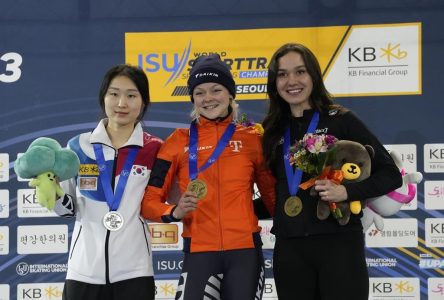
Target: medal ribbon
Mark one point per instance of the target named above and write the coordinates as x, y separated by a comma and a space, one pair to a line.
113, 199
221, 144
294, 177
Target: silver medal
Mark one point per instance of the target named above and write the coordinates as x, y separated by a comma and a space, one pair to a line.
113, 221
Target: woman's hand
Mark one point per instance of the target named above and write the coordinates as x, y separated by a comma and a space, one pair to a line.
187, 203
330, 191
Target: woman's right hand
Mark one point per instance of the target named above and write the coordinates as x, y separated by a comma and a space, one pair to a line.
187, 203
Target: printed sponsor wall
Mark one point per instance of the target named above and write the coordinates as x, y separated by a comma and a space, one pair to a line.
376, 58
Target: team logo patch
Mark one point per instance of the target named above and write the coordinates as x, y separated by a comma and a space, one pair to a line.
88, 183
89, 169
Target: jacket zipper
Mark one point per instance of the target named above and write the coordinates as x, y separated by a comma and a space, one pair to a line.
75, 242
218, 193
145, 228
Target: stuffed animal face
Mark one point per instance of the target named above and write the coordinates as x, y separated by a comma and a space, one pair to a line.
353, 159
47, 176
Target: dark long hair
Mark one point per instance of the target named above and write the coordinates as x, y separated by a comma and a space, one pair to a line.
136, 75
279, 113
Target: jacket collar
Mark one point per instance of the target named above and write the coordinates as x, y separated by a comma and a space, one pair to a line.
100, 136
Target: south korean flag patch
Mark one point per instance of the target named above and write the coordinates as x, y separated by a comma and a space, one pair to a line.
138, 170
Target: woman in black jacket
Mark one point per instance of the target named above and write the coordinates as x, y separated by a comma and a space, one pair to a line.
316, 259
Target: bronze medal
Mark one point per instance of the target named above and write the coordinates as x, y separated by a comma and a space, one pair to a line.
293, 206
199, 187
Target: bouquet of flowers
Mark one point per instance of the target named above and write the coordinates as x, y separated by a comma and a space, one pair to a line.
246, 121
312, 155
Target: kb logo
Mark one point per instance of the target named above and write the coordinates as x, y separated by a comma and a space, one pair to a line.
369, 54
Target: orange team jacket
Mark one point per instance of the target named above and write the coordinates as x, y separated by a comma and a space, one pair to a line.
224, 219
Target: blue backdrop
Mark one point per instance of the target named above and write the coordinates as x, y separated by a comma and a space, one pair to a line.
67, 46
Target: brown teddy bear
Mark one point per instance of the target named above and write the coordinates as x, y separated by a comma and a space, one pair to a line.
354, 161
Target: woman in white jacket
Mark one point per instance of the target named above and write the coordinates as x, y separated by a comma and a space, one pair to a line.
110, 255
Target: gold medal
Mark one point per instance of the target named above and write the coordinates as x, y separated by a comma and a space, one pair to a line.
293, 206
199, 187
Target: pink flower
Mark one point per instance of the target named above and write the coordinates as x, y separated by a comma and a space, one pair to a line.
330, 139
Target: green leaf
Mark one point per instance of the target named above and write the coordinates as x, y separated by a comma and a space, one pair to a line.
330, 157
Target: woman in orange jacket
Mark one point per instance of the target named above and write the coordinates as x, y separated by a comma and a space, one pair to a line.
215, 164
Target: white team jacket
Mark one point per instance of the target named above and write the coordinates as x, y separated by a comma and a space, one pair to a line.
97, 255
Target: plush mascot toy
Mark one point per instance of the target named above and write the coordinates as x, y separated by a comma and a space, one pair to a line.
47, 163
391, 203
351, 162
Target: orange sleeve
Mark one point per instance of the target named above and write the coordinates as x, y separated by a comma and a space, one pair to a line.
154, 206
264, 179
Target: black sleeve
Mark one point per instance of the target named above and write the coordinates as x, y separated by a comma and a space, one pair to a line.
159, 172
170, 218
260, 209
385, 175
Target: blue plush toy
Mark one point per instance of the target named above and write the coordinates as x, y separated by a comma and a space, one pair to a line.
47, 163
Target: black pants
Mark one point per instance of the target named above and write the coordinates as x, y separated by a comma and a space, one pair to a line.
327, 267
227, 275
141, 288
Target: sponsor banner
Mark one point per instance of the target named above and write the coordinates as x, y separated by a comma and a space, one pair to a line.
379, 59
394, 288
431, 263
4, 204
166, 236
434, 194
166, 289
268, 239
434, 158
381, 262
39, 239
4, 167
408, 155
4, 292
396, 233
435, 288
4, 240
29, 207
270, 290
166, 57
409, 164
41, 291
167, 263
434, 232
23, 268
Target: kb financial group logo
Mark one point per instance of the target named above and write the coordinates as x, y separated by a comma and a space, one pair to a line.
389, 59
51, 291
